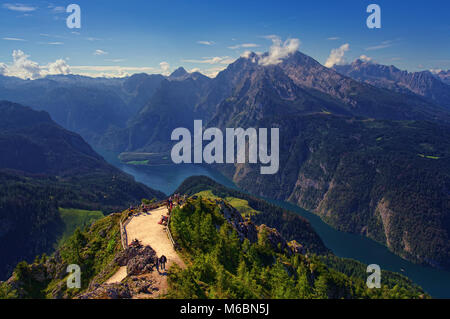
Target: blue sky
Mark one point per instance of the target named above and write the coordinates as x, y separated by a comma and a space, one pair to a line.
124, 37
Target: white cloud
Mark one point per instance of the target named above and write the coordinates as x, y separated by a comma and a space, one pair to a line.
51, 43
210, 72
100, 52
58, 67
25, 68
211, 60
12, 39
333, 38
110, 71
279, 50
383, 45
244, 45
337, 56
2, 68
114, 60
57, 9
19, 7
111, 68
246, 54
119, 73
365, 58
165, 68
206, 42
46, 35
434, 71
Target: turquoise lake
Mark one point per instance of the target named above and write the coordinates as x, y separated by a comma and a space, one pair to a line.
167, 178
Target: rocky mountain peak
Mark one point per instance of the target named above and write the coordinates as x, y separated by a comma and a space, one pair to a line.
180, 72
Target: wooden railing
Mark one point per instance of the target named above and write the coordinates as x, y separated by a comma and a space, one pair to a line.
169, 234
123, 232
123, 236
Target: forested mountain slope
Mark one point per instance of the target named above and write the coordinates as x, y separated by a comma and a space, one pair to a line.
43, 167
227, 256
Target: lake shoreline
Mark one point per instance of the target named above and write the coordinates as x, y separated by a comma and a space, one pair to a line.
353, 246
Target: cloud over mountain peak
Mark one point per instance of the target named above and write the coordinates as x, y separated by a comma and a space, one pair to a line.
24, 68
337, 56
279, 50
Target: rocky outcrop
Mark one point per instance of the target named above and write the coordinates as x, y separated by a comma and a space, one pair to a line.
140, 262
245, 228
297, 248
275, 240
132, 287
108, 291
40, 274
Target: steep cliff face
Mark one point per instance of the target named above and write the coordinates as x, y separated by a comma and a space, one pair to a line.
386, 215
388, 181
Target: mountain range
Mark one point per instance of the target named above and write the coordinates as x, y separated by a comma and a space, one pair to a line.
344, 147
87, 106
364, 146
425, 84
376, 165
299, 85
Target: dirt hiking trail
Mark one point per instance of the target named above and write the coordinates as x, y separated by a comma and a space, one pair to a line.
146, 229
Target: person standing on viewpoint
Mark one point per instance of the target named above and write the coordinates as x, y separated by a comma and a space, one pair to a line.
162, 262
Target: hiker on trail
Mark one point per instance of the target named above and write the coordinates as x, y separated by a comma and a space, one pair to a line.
157, 264
136, 243
163, 261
